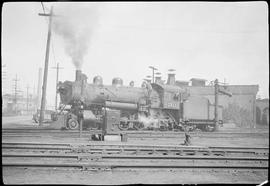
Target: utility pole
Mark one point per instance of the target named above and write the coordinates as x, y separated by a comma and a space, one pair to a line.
57, 73
33, 98
34, 89
39, 87
153, 73
216, 103
44, 86
15, 92
3, 72
27, 100
219, 89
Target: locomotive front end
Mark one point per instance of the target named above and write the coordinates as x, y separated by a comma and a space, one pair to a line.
65, 91
72, 91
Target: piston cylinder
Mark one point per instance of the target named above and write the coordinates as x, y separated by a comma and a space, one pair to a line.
118, 105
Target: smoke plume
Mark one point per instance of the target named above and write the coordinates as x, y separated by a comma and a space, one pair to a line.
148, 122
75, 24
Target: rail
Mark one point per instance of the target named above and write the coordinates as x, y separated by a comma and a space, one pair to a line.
140, 149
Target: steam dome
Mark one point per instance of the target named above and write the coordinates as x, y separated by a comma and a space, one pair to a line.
97, 80
117, 81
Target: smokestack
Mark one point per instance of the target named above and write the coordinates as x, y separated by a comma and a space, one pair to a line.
78, 75
171, 79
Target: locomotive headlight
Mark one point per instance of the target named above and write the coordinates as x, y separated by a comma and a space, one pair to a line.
62, 90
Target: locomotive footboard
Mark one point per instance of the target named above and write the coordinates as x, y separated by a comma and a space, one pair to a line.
204, 125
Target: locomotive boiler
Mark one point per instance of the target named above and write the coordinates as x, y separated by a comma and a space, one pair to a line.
154, 106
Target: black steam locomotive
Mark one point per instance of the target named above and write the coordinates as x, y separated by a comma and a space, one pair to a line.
154, 106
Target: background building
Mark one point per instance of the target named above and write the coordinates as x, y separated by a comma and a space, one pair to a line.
262, 111
239, 109
22, 106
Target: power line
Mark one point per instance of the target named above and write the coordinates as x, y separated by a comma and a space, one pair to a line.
16, 92
153, 74
43, 7
57, 72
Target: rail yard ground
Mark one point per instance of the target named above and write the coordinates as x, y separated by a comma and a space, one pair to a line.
31, 155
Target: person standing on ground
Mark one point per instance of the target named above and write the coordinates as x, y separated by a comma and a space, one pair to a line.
187, 140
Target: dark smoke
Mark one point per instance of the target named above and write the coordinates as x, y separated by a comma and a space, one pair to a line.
75, 24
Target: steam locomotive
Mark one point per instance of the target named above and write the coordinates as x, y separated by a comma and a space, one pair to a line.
153, 106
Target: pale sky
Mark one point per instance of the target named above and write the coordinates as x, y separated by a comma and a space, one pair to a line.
199, 40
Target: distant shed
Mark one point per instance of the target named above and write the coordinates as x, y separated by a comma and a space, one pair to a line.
197, 82
181, 83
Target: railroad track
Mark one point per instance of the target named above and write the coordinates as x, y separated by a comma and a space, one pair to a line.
133, 161
63, 146
47, 132
98, 156
140, 132
107, 166
130, 157
131, 134
162, 150
104, 157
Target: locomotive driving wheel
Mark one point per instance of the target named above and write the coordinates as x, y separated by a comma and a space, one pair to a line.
209, 128
73, 124
138, 125
124, 124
